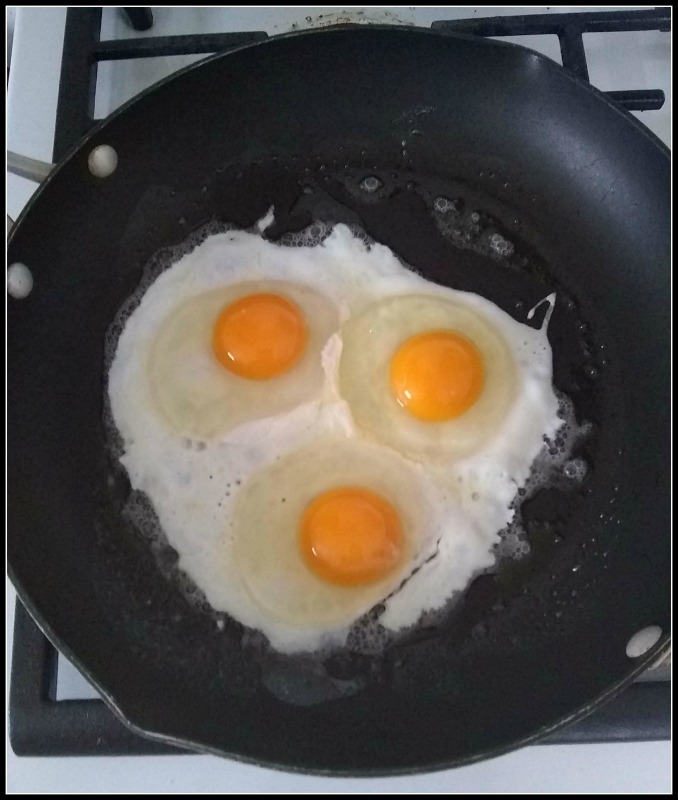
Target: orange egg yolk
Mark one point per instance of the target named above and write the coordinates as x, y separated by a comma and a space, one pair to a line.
437, 375
259, 336
351, 536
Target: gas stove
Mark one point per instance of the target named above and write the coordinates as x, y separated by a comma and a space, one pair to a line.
72, 67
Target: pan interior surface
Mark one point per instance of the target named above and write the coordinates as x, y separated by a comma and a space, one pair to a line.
486, 168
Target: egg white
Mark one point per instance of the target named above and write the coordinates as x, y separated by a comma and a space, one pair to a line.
194, 485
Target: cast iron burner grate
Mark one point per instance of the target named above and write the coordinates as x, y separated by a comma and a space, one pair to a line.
42, 726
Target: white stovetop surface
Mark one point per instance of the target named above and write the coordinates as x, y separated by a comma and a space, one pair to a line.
639, 60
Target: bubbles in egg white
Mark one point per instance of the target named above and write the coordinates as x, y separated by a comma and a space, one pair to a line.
194, 490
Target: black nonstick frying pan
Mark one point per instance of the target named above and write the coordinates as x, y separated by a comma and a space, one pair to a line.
521, 149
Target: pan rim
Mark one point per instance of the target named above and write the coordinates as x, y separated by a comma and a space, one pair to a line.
641, 664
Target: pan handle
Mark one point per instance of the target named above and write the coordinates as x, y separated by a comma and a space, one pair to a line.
28, 167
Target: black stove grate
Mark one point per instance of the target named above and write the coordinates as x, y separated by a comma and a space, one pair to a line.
42, 726
83, 50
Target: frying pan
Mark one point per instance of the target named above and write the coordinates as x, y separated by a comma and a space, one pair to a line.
581, 191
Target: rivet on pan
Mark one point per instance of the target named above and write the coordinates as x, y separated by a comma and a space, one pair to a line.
642, 641
102, 161
19, 281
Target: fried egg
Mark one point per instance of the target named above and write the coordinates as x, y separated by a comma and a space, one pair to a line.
320, 430
432, 374
327, 532
226, 335
245, 351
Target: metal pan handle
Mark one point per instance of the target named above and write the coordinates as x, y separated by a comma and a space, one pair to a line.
28, 167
